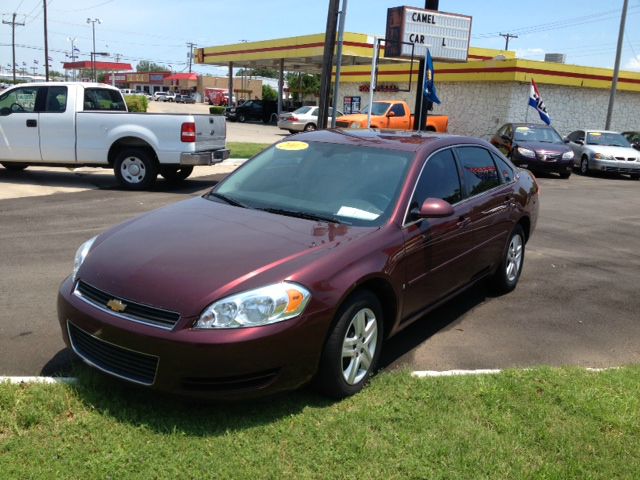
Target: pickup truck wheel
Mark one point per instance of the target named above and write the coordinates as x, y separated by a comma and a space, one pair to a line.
135, 169
175, 173
14, 167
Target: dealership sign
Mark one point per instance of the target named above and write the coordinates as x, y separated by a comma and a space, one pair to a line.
410, 31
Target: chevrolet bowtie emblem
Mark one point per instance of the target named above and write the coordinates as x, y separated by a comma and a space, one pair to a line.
116, 305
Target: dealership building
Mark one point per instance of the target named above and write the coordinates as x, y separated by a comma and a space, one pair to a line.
479, 95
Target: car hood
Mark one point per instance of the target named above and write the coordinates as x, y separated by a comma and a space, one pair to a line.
625, 152
545, 147
187, 255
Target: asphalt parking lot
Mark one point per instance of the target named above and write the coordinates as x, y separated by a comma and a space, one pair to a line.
577, 302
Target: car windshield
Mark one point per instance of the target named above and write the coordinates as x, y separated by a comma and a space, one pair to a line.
379, 108
537, 134
607, 138
303, 110
323, 181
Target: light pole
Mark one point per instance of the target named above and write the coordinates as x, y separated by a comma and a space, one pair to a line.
93, 21
73, 55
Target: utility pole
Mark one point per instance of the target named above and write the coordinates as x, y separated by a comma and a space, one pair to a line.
616, 69
327, 62
73, 55
46, 43
336, 88
507, 36
13, 24
420, 105
93, 52
190, 45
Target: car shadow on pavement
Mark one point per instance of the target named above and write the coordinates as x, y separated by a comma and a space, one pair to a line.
398, 349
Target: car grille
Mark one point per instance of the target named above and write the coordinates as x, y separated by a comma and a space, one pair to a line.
133, 311
621, 169
121, 362
342, 124
547, 157
630, 159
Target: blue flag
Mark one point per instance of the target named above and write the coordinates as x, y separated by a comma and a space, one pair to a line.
429, 85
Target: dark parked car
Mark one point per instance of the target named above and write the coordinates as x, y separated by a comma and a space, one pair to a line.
299, 264
265, 111
539, 148
633, 138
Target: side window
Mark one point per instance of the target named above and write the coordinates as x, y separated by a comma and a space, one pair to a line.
506, 171
479, 170
398, 109
439, 179
56, 99
577, 135
103, 99
19, 100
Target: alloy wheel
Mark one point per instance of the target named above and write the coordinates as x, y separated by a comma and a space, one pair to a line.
514, 258
359, 346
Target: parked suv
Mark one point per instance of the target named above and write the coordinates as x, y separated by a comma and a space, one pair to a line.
253, 110
159, 96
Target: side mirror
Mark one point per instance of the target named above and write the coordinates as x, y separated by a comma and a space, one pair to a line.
391, 114
435, 208
506, 138
4, 111
566, 140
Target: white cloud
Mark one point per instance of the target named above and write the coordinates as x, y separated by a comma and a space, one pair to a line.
633, 63
529, 52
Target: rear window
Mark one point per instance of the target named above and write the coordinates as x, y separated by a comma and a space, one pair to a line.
103, 99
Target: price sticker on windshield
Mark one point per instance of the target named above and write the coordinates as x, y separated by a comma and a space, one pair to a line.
292, 146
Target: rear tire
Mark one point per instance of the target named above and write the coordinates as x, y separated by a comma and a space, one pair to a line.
175, 174
506, 277
293, 131
353, 347
635, 176
309, 127
242, 118
565, 175
14, 167
135, 169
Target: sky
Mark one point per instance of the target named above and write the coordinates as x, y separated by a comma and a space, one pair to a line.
586, 31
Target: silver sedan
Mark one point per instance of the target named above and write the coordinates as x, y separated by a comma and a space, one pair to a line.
604, 151
302, 119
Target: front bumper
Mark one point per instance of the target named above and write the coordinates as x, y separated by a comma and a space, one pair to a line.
209, 157
615, 166
229, 363
538, 164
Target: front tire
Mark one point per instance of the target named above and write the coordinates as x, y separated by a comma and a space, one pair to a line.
565, 175
353, 347
309, 127
242, 118
506, 277
175, 174
135, 169
14, 167
635, 176
584, 166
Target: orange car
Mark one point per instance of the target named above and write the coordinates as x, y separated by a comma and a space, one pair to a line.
392, 114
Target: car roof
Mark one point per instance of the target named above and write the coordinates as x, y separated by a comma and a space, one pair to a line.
531, 125
407, 141
595, 130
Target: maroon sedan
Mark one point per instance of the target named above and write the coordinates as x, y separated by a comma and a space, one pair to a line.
298, 265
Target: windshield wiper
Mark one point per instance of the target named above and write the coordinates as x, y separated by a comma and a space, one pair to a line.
299, 214
229, 200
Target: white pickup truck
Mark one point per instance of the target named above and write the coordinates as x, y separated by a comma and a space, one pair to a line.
72, 124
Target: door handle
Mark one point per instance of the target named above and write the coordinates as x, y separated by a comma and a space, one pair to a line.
32, 123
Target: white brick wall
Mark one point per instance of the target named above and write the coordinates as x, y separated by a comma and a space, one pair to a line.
479, 109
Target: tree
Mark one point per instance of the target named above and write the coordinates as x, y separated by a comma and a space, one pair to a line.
149, 66
258, 72
303, 84
269, 93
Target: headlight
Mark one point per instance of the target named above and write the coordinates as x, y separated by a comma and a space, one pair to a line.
262, 306
603, 156
567, 155
354, 125
81, 254
525, 152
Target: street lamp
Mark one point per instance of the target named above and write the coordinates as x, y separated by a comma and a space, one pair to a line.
93, 52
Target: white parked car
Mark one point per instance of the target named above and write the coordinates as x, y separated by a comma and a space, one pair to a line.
73, 124
159, 96
303, 119
604, 151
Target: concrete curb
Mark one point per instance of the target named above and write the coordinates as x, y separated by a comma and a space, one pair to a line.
486, 371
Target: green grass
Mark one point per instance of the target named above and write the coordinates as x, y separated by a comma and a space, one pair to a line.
245, 150
540, 423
